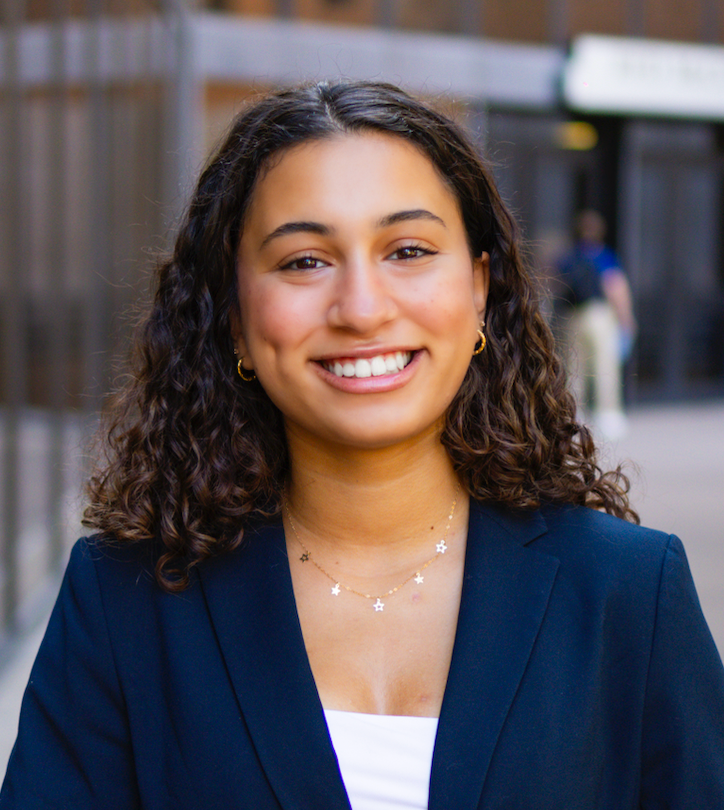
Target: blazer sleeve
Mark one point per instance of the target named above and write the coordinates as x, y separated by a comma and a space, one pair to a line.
683, 729
73, 747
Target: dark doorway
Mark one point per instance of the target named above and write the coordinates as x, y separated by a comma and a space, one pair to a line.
673, 192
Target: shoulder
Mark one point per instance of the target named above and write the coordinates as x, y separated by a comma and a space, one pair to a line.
120, 578
569, 528
595, 526
615, 567
593, 549
121, 569
627, 582
115, 584
583, 536
96, 561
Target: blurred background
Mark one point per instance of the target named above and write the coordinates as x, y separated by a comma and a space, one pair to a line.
108, 108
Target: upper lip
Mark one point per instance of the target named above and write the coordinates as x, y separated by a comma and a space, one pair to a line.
362, 354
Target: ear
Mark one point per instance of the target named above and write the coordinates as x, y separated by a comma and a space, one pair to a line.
481, 282
237, 336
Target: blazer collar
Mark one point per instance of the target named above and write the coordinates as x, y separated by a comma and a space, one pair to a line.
505, 593
250, 598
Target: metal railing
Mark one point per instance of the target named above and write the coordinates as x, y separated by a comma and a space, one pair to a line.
86, 98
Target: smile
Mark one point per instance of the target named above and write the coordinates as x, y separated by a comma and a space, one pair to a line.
379, 366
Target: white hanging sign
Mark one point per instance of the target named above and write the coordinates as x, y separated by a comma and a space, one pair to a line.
645, 77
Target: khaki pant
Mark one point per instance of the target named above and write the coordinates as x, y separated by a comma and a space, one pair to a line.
592, 355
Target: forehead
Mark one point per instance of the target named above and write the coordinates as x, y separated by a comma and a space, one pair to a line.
347, 175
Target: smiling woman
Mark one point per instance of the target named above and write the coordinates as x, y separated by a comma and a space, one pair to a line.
353, 549
358, 283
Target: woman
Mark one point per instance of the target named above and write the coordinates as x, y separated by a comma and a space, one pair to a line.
347, 515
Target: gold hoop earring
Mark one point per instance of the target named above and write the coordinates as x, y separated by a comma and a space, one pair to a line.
479, 348
240, 371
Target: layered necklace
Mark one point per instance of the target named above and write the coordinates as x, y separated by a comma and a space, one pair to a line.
378, 605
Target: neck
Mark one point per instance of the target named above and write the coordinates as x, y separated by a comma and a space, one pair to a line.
381, 500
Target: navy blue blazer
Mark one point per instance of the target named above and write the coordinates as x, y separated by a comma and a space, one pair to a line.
583, 676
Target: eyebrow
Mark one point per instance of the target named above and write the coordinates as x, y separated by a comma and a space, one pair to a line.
296, 227
405, 216
324, 230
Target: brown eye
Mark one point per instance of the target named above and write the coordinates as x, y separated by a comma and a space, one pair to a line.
412, 252
304, 263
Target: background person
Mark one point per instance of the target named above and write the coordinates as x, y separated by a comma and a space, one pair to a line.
598, 325
353, 547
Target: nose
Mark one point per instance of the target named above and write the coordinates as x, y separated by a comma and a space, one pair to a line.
363, 297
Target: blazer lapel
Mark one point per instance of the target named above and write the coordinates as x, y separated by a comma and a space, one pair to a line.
505, 594
249, 595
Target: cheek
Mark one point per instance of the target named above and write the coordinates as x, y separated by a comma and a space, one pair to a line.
255, 318
272, 319
450, 308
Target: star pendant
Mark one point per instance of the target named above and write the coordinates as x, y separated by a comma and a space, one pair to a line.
419, 579
441, 547
304, 556
335, 590
378, 605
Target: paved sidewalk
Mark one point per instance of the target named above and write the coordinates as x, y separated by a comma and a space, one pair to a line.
678, 487
12, 685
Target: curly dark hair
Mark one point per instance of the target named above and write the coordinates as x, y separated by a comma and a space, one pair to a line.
192, 454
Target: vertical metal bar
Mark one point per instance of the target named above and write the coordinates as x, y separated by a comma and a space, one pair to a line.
636, 18
115, 94
711, 21
150, 140
285, 9
558, 21
14, 327
96, 304
126, 149
676, 333
57, 261
387, 13
470, 17
185, 109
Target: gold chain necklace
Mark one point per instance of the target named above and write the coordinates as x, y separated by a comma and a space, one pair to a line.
378, 605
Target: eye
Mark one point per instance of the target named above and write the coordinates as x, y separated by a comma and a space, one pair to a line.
412, 252
303, 263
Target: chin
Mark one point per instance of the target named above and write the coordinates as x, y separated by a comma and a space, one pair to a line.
363, 437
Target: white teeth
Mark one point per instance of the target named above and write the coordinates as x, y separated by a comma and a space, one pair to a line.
377, 366
362, 368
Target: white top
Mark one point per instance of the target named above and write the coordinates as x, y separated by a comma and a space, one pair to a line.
385, 761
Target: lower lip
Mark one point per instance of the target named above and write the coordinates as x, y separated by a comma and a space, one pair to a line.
371, 385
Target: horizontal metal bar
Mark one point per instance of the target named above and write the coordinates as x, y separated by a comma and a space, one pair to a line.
227, 48
37, 43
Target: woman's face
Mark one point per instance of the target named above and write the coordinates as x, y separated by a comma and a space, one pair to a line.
359, 299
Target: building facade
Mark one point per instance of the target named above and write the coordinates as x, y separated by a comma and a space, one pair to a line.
179, 71
108, 107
